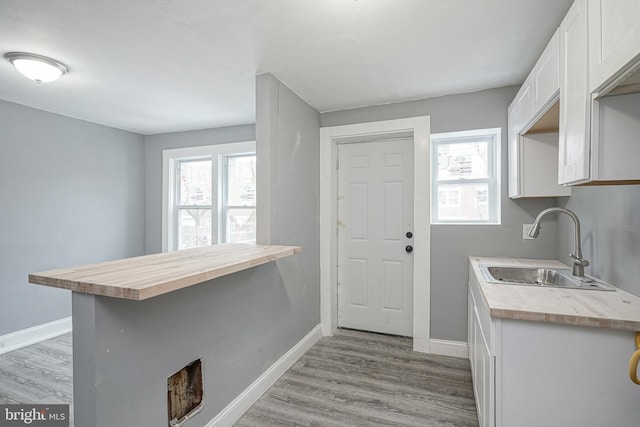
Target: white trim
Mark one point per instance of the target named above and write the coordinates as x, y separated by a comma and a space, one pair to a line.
169, 159
417, 128
449, 348
241, 404
35, 334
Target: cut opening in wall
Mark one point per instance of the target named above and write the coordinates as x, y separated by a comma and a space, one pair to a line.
184, 393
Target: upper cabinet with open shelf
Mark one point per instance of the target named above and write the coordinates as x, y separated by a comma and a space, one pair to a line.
614, 46
598, 114
599, 52
533, 130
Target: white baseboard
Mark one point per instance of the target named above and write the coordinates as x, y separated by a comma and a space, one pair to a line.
35, 334
234, 410
449, 348
421, 345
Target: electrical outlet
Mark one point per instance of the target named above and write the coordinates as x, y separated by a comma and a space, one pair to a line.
525, 231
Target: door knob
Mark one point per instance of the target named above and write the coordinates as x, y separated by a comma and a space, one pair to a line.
409, 249
409, 234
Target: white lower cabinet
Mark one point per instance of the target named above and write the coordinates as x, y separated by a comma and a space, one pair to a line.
532, 374
482, 368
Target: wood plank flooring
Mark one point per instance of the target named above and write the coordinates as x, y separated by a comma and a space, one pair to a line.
362, 379
41, 373
348, 380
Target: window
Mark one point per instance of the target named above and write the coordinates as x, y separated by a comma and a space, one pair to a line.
449, 198
209, 196
239, 198
465, 177
194, 205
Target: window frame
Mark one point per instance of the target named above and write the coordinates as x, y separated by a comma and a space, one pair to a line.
171, 159
493, 136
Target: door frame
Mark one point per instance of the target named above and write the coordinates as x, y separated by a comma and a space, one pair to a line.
418, 129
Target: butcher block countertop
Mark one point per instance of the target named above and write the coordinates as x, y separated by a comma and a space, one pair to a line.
148, 276
603, 309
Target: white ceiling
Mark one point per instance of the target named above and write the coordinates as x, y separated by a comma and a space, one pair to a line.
154, 66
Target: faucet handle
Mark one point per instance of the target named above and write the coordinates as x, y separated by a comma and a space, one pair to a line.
579, 261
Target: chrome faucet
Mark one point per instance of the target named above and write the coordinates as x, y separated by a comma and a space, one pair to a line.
578, 262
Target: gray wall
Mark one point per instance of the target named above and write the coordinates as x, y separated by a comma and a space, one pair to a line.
610, 223
452, 244
153, 146
288, 191
71, 193
239, 324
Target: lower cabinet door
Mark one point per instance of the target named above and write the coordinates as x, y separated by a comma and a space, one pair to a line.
488, 378
483, 371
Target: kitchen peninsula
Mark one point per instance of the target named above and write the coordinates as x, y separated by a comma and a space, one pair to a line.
138, 321
148, 276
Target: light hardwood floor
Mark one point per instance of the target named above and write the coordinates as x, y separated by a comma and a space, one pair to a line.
41, 373
351, 379
362, 379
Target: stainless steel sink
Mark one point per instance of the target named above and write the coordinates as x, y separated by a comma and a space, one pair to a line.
538, 276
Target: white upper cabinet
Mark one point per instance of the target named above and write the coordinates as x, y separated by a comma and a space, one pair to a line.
524, 101
592, 66
546, 74
575, 117
614, 40
519, 110
598, 130
533, 130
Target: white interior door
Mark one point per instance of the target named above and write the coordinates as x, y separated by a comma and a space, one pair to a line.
375, 226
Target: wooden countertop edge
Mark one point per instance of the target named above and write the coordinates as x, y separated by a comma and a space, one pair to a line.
174, 285
594, 322
86, 288
139, 294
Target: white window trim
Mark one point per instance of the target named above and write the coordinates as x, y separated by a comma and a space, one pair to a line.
494, 181
170, 159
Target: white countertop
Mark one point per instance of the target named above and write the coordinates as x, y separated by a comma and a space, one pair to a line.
603, 309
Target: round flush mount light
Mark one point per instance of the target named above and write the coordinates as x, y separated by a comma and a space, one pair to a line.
37, 67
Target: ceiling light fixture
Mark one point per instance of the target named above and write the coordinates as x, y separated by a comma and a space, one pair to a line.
37, 67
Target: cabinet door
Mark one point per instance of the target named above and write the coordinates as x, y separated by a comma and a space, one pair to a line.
546, 74
520, 111
488, 380
575, 117
482, 367
484, 377
614, 39
524, 103
472, 343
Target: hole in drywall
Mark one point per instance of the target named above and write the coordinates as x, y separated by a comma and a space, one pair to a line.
184, 393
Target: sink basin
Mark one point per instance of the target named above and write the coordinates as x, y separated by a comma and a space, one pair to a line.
538, 276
